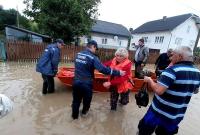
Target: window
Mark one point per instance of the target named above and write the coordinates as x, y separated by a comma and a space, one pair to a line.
178, 41
192, 43
104, 41
120, 42
188, 29
159, 40
145, 39
156, 39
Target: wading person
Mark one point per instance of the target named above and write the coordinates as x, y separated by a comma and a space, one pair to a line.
48, 65
85, 63
141, 56
119, 85
163, 61
173, 91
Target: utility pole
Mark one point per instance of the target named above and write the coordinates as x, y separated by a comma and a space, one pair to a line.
17, 17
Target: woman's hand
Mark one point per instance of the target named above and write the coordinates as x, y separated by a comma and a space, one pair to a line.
107, 85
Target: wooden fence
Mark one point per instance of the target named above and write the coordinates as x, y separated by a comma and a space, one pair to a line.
27, 51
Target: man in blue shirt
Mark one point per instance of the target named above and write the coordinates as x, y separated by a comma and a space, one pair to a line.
173, 91
48, 65
85, 63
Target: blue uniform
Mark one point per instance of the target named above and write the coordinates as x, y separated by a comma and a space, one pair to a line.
85, 64
48, 67
48, 62
168, 109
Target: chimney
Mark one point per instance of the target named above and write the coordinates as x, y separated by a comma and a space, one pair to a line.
164, 18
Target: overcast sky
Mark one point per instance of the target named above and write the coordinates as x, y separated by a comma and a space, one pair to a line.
132, 13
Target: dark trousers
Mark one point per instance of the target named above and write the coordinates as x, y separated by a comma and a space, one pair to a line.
48, 84
153, 122
114, 95
138, 68
81, 91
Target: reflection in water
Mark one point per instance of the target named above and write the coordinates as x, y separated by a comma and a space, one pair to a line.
35, 114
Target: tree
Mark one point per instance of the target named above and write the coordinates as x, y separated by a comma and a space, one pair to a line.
10, 17
7, 17
63, 18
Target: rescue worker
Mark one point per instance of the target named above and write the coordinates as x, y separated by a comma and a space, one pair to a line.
85, 63
119, 85
48, 65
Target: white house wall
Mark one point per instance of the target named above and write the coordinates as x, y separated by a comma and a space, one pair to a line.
111, 42
151, 40
187, 37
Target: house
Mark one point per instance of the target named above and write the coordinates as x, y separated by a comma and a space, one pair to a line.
169, 32
15, 33
108, 35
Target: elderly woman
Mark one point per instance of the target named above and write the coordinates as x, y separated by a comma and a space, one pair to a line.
119, 85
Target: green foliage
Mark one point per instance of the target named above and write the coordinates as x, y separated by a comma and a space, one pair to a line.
63, 18
7, 17
10, 17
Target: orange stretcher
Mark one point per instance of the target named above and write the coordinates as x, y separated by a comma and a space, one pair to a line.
66, 75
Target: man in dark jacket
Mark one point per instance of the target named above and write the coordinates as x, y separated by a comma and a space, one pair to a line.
163, 61
48, 65
85, 63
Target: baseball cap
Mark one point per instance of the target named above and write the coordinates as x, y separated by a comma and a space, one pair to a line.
92, 42
59, 40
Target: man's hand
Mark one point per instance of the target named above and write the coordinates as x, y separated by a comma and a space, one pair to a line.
147, 79
142, 65
107, 85
122, 73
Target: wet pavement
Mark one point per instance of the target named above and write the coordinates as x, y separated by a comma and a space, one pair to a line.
37, 114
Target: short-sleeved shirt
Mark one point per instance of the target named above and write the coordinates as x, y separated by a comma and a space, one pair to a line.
181, 80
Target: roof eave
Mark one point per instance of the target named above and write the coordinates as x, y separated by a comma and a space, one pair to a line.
113, 34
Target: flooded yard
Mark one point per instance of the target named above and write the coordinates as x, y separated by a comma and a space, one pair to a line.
37, 114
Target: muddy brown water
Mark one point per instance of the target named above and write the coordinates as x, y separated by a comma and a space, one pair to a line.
36, 114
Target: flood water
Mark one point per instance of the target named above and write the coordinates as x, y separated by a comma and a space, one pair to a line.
37, 114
